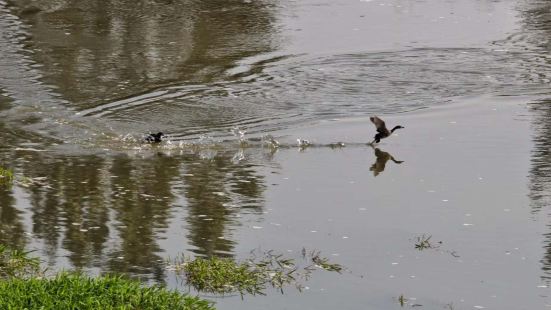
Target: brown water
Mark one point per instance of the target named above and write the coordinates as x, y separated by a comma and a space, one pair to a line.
82, 82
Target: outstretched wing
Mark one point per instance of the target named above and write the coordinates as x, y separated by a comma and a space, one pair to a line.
379, 124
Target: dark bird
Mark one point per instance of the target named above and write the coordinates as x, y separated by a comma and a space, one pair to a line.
380, 162
155, 137
382, 131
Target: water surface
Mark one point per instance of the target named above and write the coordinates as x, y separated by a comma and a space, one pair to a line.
83, 81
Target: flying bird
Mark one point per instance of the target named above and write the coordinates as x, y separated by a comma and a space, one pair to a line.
382, 131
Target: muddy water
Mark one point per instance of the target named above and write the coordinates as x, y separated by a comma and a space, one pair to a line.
82, 82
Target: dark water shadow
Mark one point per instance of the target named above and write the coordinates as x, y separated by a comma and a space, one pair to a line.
381, 158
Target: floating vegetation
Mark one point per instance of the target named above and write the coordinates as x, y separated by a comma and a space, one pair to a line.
17, 264
6, 177
321, 262
423, 242
403, 301
252, 276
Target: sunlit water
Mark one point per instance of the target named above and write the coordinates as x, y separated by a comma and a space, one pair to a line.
266, 107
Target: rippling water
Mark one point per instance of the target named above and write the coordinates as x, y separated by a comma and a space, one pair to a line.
82, 82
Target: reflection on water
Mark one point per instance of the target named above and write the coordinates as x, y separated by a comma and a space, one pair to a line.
110, 213
536, 19
78, 77
381, 157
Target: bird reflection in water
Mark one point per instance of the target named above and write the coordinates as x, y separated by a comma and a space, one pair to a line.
380, 162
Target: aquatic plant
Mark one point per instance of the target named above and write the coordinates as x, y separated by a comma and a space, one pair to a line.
322, 262
73, 291
402, 300
17, 264
21, 274
6, 176
423, 242
251, 276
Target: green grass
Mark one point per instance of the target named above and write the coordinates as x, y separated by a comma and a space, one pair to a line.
225, 275
6, 176
71, 291
17, 264
423, 242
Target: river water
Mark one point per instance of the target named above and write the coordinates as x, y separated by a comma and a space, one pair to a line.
82, 83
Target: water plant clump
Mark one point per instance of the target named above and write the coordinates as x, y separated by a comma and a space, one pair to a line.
73, 291
252, 276
6, 176
17, 264
423, 242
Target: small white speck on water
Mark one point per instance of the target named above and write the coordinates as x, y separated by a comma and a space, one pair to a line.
481, 178
207, 219
431, 191
313, 231
467, 224
507, 253
394, 263
479, 307
362, 209
275, 224
345, 237
445, 200
83, 230
75, 224
220, 193
391, 276
453, 122
335, 254
542, 286
412, 277
202, 215
306, 287
120, 257
285, 178
352, 182
468, 214
257, 227
188, 174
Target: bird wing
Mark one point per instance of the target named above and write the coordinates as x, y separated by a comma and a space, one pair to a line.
379, 124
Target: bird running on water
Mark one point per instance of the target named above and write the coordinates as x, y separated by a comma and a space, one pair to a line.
154, 137
382, 131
